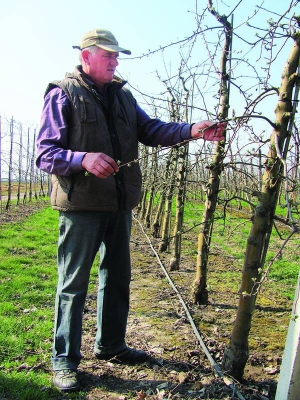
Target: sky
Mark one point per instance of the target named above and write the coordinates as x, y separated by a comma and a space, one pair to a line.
36, 38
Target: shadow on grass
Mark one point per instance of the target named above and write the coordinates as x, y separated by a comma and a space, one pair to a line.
26, 386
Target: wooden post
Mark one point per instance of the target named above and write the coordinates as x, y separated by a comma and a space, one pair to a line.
288, 387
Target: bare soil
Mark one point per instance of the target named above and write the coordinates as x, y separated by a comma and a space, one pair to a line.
179, 368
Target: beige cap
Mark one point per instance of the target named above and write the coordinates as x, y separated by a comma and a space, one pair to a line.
103, 39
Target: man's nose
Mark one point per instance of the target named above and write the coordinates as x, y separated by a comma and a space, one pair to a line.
114, 62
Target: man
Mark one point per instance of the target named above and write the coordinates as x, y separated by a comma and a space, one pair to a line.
90, 125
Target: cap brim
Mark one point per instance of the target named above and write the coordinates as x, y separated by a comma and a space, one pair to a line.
114, 49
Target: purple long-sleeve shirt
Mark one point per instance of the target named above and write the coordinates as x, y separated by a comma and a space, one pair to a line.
53, 155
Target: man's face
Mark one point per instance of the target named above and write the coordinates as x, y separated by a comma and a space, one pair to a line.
101, 65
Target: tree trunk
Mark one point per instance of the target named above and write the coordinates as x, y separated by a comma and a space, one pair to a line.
154, 166
183, 154
177, 231
144, 167
32, 169
165, 234
10, 165
236, 354
199, 287
28, 164
20, 169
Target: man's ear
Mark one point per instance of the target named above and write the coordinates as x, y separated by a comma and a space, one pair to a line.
85, 54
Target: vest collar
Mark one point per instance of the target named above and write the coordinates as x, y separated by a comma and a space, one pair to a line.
115, 85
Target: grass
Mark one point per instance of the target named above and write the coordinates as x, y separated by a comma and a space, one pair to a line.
231, 236
27, 276
277, 292
28, 282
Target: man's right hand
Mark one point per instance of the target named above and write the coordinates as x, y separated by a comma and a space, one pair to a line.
99, 164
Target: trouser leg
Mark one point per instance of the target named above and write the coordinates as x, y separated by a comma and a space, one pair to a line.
79, 241
114, 282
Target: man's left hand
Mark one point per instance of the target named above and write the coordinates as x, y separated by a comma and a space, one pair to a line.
208, 130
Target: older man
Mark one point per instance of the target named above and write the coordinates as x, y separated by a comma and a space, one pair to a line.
90, 124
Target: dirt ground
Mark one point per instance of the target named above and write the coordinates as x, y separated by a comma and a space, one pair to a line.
178, 368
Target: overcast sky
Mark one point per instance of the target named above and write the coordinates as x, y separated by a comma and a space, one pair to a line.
36, 38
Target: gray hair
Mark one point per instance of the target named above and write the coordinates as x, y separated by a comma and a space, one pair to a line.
91, 49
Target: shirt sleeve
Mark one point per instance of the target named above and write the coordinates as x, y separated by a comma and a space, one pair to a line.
154, 132
53, 155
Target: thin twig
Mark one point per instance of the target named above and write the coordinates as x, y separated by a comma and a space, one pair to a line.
184, 142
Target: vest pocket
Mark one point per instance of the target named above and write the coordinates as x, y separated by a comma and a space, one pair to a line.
123, 118
87, 110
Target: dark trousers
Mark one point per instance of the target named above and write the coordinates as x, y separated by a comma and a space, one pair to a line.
81, 236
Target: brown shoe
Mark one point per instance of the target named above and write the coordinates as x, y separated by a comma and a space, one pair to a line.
127, 355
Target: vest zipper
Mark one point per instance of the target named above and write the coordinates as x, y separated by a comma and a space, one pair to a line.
71, 188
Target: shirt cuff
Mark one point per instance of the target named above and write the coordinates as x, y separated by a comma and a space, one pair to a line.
186, 132
77, 160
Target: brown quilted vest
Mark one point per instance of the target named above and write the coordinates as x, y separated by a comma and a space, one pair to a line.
94, 128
